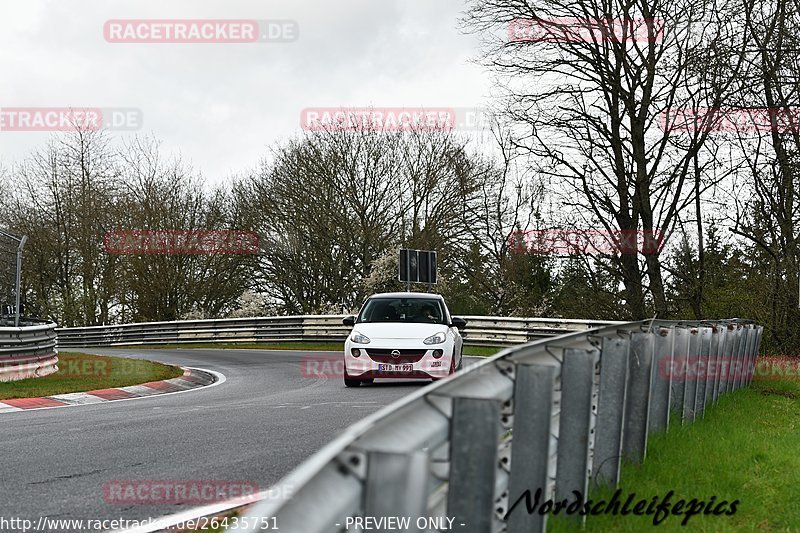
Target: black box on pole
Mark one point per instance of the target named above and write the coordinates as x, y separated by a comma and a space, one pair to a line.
417, 266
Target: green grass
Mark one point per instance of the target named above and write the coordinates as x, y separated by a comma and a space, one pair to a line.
475, 351
746, 448
79, 372
306, 346
482, 351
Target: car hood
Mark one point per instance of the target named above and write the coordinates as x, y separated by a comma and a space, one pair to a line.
397, 330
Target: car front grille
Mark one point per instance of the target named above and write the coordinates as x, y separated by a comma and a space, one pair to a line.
381, 355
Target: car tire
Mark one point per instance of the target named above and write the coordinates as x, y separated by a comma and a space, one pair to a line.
355, 382
461, 360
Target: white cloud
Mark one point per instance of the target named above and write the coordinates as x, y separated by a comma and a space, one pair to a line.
221, 105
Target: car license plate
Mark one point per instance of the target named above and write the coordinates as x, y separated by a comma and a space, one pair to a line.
395, 368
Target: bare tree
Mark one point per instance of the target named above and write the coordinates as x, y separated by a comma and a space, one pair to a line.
332, 204
769, 210
503, 204
63, 200
594, 88
163, 194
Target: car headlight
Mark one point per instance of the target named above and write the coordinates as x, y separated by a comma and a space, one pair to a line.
436, 339
358, 338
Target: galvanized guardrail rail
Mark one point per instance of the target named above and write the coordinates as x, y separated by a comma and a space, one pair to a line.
557, 414
480, 331
27, 351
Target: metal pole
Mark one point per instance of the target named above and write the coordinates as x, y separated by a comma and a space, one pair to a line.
22, 242
408, 272
430, 276
18, 281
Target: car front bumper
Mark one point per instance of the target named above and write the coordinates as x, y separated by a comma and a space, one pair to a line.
412, 359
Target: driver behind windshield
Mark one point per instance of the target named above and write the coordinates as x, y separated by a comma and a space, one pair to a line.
428, 313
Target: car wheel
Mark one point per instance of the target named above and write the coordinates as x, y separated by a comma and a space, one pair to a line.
354, 382
461, 360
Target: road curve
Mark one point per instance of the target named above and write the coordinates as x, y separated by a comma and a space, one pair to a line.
258, 425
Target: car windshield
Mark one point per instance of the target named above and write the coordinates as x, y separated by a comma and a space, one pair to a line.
416, 310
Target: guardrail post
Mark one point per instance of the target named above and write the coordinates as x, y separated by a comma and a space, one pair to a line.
530, 450
735, 355
690, 377
662, 380
396, 485
744, 355
737, 335
577, 384
474, 440
753, 354
748, 331
713, 359
679, 370
749, 359
634, 432
734, 358
703, 362
756, 348
739, 356
610, 411
722, 342
727, 355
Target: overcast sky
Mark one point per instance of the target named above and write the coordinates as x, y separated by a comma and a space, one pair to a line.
221, 105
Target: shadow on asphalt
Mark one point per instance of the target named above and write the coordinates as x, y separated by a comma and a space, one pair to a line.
398, 383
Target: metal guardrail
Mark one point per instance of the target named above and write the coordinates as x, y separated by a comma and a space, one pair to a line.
555, 414
27, 351
480, 331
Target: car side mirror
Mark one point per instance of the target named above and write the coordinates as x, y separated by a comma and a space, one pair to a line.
349, 321
459, 323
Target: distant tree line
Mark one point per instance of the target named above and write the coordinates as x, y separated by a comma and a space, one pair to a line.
591, 135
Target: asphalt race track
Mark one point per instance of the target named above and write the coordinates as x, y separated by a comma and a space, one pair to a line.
263, 421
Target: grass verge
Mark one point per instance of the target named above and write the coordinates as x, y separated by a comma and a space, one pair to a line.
474, 351
745, 449
79, 372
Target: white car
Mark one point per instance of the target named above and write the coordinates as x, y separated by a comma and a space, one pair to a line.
402, 335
